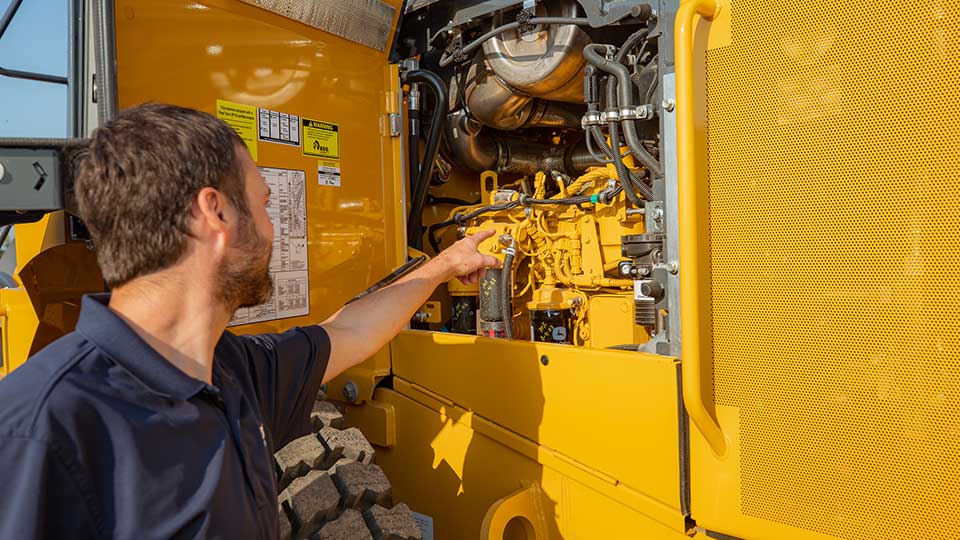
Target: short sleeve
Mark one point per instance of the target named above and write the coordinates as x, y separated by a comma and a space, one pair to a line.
287, 371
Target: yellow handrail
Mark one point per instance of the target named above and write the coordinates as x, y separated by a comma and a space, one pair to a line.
687, 167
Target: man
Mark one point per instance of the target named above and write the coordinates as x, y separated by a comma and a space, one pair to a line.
151, 421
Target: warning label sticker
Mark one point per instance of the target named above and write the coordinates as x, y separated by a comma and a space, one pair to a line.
278, 127
243, 119
328, 173
288, 263
321, 139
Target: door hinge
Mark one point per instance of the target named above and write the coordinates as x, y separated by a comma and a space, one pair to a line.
395, 122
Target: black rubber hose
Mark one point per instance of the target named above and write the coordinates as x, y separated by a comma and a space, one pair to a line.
630, 43
622, 172
625, 99
636, 184
506, 291
398, 273
430, 80
643, 188
458, 219
413, 146
568, 201
446, 59
451, 200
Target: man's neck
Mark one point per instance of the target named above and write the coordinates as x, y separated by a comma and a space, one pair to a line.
176, 316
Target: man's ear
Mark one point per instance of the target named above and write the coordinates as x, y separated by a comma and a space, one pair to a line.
211, 211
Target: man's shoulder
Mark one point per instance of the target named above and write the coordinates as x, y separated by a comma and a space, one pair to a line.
45, 381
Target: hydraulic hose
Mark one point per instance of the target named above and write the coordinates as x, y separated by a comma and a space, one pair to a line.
622, 172
639, 185
630, 43
506, 290
430, 80
625, 98
594, 133
398, 273
413, 136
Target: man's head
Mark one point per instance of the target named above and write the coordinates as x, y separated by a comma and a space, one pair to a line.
163, 186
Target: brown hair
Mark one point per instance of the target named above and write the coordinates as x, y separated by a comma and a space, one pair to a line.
137, 179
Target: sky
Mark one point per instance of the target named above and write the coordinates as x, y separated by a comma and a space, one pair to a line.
36, 41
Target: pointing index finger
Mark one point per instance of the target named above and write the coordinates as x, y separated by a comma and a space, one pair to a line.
480, 236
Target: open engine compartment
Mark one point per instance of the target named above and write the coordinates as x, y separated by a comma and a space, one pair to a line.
543, 126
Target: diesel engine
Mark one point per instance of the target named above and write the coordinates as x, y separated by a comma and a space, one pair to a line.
539, 120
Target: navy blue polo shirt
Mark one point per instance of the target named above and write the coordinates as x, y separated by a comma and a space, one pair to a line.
101, 437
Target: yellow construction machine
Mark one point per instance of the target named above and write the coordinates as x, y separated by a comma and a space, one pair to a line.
729, 302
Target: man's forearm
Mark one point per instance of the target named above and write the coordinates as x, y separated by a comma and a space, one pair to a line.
361, 328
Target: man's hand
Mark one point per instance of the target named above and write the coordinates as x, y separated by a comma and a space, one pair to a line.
361, 328
464, 262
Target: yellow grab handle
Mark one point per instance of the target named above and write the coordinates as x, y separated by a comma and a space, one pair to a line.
689, 239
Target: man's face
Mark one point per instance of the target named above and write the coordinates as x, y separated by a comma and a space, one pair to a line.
245, 279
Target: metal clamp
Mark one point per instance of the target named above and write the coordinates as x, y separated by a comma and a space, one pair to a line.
591, 119
629, 113
641, 112
610, 116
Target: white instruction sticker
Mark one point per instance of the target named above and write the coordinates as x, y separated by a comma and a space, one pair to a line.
425, 523
278, 127
328, 173
288, 263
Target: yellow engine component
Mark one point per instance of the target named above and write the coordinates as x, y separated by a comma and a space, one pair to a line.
566, 254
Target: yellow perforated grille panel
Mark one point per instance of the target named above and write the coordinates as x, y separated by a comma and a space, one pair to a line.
834, 140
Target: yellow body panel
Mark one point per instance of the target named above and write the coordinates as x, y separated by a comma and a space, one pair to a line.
454, 466
193, 54
833, 282
52, 274
610, 415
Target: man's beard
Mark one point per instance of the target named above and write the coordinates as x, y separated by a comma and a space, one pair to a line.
245, 280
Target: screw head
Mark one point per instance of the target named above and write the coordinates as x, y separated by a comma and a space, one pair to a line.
668, 105
351, 392
544, 359
673, 267
657, 214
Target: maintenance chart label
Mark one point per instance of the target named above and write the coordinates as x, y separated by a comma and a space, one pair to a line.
278, 127
321, 139
288, 263
328, 172
243, 119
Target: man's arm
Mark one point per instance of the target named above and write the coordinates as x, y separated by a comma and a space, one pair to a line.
361, 328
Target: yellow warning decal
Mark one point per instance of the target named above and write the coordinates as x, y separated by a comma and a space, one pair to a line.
321, 139
243, 119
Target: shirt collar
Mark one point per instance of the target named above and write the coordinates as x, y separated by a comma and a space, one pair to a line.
113, 335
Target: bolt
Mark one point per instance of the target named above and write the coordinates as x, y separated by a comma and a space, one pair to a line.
644, 271
351, 392
673, 267
668, 105
505, 239
657, 214
421, 316
544, 359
